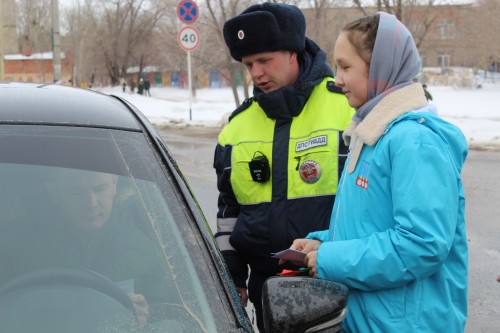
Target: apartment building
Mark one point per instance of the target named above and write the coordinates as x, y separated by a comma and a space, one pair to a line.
446, 36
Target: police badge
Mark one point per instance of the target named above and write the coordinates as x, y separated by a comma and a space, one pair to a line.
310, 171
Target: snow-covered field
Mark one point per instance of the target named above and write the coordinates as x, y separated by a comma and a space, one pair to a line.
475, 111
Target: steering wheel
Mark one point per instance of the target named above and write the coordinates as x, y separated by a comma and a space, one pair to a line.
61, 299
69, 277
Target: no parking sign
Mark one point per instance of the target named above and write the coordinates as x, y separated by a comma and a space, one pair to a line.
187, 11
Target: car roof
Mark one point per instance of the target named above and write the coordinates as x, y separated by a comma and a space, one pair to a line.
28, 103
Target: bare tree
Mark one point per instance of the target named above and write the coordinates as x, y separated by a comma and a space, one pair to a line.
316, 27
125, 32
34, 25
118, 34
219, 12
164, 47
417, 15
80, 24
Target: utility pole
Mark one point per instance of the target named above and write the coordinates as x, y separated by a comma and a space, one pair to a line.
1, 44
56, 41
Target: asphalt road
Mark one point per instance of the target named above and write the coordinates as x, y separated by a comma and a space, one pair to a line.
193, 149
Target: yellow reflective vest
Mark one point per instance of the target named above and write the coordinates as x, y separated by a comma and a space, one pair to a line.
313, 145
305, 157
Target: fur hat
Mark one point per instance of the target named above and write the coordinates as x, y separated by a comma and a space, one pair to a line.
264, 28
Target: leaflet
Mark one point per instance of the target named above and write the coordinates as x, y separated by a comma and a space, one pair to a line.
289, 254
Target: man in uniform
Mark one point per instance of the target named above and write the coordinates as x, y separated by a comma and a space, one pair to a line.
279, 158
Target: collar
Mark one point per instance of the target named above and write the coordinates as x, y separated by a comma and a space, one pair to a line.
375, 124
287, 102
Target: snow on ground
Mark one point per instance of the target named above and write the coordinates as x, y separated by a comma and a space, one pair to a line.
475, 111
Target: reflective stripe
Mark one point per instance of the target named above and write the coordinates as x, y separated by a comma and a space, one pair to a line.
224, 229
223, 242
226, 224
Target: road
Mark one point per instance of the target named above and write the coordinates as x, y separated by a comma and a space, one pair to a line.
193, 149
481, 178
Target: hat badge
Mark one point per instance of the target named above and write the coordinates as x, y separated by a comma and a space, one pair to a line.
241, 34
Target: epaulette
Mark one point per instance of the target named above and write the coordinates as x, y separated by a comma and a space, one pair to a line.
330, 85
246, 103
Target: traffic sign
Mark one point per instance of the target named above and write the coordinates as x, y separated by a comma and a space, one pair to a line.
187, 11
189, 38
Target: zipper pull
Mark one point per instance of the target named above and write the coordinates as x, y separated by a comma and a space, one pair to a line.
248, 101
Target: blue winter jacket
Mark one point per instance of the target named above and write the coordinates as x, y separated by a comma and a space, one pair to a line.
397, 233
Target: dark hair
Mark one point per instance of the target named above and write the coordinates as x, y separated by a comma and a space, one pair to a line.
362, 33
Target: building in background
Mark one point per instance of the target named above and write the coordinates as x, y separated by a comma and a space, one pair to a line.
446, 35
36, 67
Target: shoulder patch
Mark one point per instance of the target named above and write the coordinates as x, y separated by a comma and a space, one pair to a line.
330, 85
246, 103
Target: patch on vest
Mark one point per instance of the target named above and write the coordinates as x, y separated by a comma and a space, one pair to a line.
317, 141
310, 171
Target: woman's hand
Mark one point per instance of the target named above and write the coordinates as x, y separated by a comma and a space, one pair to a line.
303, 245
310, 262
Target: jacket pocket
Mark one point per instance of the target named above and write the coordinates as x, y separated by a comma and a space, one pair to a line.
315, 173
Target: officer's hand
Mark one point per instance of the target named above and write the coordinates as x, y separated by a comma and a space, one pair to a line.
243, 296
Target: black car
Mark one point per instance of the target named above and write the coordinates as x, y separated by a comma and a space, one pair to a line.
99, 231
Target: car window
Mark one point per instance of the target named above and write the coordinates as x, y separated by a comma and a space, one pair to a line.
81, 204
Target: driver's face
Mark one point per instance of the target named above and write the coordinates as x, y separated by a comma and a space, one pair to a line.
87, 199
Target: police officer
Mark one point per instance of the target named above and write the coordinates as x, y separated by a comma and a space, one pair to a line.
279, 158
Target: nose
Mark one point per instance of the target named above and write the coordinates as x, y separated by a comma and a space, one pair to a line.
256, 71
339, 79
91, 199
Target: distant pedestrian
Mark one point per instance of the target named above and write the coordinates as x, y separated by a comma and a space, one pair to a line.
124, 85
427, 93
132, 86
147, 86
140, 87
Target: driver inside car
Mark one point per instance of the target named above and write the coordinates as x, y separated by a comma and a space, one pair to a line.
90, 227
86, 201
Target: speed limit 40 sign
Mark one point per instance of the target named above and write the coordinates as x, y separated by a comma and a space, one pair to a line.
189, 38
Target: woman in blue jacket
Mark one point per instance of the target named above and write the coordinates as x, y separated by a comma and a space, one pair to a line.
397, 232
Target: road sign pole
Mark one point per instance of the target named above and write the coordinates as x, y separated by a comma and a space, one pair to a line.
189, 83
189, 37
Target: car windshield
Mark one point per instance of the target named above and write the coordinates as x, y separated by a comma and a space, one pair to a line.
86, 212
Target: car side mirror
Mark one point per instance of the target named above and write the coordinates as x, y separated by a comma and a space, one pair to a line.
303, 304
